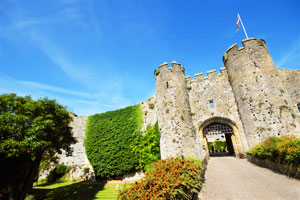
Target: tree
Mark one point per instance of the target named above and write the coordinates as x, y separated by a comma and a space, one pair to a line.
28, 130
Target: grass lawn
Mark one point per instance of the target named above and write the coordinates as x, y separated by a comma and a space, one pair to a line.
79, 191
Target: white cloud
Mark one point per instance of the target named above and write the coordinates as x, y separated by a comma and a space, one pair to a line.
54, 89
57, 56
82, 103
24, 29
21, 24
292, 56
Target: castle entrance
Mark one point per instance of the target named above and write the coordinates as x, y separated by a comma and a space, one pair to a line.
219, 139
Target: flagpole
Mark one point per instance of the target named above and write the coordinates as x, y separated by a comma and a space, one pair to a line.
243, 26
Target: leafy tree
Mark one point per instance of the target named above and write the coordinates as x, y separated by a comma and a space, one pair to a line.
28, 130
147, 147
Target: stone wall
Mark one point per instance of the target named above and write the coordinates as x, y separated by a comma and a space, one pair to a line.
291, 80
78, 161
149, 109
264, 105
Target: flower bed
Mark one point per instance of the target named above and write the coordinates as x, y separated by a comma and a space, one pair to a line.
173, 178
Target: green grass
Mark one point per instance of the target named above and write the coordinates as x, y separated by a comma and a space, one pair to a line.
79, 190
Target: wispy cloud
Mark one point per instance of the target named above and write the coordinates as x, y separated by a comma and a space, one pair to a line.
104, 86
21, 24
82, 103
54, 89
24, 27
292, 56
94, 103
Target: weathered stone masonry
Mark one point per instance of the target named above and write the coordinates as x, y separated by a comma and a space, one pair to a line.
250, 95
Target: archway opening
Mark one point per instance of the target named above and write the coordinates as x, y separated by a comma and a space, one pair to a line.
219, 139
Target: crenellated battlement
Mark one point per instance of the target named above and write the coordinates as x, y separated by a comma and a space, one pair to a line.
164, 67
212, 75
249, 45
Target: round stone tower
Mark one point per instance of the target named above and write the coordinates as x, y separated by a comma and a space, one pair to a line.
174, 112
263, 103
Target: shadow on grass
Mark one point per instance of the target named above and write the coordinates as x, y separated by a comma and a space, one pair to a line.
78, 191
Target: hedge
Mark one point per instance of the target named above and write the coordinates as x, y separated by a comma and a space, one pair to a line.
173, 178
108, 141
282, 150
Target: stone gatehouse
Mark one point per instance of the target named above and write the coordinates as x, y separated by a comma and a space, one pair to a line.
249, 101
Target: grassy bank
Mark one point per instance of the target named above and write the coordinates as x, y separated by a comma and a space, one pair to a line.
78, 190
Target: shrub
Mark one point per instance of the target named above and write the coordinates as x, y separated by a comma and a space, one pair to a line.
30, 197
86, 170
147, 148
218, 145
282, 150
108, 141
173, 178
57, 174
151, 105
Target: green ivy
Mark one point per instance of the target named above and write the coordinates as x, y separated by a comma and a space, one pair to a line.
147, 148
108, 141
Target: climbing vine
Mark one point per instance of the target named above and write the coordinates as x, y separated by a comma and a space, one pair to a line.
108, 141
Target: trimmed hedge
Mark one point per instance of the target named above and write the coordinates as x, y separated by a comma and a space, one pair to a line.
282, 150
173, 178
108, 141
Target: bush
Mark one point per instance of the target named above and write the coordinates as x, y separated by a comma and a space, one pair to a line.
108, 141
151, 105
218, 145
57, 174
282, 150
173, 178
86, 170
147, 148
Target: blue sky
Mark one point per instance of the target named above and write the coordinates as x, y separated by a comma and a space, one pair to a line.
95, 56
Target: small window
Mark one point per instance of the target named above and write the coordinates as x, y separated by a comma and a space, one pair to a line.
298, 106
211, 104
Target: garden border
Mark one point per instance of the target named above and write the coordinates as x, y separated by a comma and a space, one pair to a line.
278, 168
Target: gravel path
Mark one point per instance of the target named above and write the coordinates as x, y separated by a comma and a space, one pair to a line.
236, 179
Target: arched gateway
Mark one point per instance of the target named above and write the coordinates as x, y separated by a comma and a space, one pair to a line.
224, 130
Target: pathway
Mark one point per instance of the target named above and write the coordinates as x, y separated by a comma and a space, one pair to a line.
229, 178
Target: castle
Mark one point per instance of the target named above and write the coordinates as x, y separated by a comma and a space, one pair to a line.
247, 102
